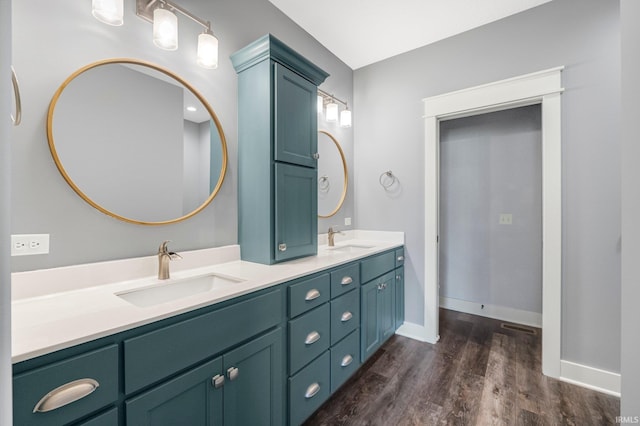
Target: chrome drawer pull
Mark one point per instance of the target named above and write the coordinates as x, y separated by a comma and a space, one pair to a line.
282, 247
16, 91
217, 381
381, 286
400, 258
346, 360
312, 294
66, 394
346, 316
398, 277
312, 390
346, 280
232, 373
312, 337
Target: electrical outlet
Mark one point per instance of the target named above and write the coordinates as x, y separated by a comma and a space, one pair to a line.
28, 244
505, 219
347, 221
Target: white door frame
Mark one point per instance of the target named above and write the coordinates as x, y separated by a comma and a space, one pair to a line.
542, 88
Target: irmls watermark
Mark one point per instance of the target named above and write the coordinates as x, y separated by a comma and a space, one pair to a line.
627, 419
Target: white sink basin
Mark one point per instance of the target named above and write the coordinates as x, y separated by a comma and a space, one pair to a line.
160, 292
349, 248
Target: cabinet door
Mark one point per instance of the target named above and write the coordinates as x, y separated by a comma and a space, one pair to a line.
399, 288
369, 326
296, 227
387, 306
254, 391
296, 118
189, 399
377, 313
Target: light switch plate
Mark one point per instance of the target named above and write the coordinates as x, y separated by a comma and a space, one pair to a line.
505, 219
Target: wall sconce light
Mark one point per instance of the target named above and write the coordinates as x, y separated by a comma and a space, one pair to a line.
162, 14
110, 12
330, 104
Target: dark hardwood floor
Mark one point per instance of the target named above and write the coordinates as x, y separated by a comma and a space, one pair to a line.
478, 374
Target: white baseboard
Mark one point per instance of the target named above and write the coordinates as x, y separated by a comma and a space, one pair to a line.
591, 378
416, 332
533, 319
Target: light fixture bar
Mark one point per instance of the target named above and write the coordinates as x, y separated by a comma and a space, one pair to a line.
330, 96
144, 9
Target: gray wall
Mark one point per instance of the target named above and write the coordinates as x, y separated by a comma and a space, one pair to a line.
584, 37
53, 38
491, 164
6, 406
630, 40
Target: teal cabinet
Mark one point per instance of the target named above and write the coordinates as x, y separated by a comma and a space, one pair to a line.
277, 152
67, 390
296, 194
191, 398
399, 287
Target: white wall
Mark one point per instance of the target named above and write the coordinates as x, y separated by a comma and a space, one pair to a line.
491, 164
630, 31
584, 37
6, 406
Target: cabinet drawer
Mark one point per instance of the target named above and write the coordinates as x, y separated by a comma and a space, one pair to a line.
110, 418
377, 265
345, 315
31, 387
309, 389
345, 359
308, 294
399, 257
308, 337
153, 356
345, 279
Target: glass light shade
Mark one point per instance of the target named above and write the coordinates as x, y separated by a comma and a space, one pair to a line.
207, 51
165, 29
108, 11
332, 112
345, 118
320, 104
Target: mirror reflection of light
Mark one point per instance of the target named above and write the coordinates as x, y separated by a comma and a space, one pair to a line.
192, 109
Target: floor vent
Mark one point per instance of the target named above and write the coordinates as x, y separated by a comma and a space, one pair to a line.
521, 328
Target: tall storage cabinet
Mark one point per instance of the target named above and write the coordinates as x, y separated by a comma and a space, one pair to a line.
277, 151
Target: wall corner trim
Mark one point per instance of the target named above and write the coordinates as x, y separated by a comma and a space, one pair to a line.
590, 377
416, 332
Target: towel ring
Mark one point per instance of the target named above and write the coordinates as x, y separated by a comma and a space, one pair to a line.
324, 184
387, 179
17, 118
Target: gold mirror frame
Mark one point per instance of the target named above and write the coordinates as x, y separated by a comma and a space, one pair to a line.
346, 175
67, 178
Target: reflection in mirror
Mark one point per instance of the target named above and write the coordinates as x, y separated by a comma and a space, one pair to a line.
333, 177
137, 142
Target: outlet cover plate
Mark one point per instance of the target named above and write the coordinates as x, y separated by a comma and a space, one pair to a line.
29, 244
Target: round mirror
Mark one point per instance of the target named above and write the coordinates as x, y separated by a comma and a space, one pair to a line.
137, 142
333, 177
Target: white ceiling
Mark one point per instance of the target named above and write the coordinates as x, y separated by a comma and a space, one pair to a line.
361, 32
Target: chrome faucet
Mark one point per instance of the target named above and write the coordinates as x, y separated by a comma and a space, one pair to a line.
164, 257
331, 235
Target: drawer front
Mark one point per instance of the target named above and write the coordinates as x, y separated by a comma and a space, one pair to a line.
308, 294
153, 356
399, 257
345, 359
345, 315
110, 418
31, 387
309, 389
308, 337
374, 266
345, 279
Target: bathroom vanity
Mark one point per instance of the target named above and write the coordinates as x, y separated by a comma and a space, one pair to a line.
263, 344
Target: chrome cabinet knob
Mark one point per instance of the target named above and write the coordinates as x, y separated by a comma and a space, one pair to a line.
312, 337
346, 280
217, 381
316, 156
346, 360
312, 390
233, 373
282, 247
346, 316
312, 294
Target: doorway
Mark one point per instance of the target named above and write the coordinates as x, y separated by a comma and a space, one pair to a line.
490, 215
543, 88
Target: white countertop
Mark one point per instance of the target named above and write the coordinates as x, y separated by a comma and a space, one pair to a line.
58, 308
